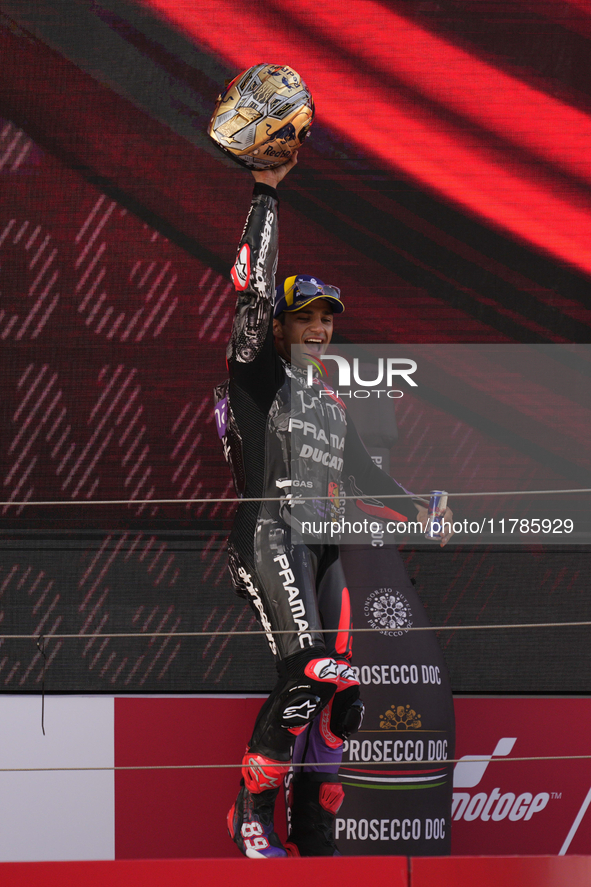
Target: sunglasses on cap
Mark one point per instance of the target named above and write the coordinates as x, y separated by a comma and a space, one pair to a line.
307, 288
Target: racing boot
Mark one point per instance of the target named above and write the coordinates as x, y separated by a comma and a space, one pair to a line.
250, 819
315, 802
250, 824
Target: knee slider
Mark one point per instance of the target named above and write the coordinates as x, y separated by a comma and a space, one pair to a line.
347, 713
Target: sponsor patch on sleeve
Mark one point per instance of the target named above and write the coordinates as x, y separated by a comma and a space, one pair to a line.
240, 273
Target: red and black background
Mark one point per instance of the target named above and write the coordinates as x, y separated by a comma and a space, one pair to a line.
445, 188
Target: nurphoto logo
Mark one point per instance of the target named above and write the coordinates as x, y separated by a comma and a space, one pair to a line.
386, 372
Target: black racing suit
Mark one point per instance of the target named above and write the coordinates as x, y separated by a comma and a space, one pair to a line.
293, 587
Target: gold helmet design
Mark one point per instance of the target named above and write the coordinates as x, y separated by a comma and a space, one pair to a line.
263, 116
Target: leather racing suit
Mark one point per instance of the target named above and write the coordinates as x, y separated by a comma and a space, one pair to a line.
294, 588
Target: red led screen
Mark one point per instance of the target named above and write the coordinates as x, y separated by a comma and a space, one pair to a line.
444, 188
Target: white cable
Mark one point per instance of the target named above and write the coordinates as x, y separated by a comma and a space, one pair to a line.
237, 766
210, 634
280, 499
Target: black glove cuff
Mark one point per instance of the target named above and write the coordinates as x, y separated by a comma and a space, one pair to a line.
262, 188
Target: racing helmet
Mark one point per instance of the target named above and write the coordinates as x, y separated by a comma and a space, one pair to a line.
263, 116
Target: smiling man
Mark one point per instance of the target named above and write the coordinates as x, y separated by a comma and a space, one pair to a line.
304, 308
296, 590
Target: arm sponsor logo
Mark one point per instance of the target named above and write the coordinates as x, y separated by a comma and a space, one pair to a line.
221, 416
240, 273
259, 268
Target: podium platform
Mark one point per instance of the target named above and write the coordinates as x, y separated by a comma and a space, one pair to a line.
394, 871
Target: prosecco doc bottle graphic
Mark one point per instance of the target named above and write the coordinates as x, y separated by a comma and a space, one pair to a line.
396, 771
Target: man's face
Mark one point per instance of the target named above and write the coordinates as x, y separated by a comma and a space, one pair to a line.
311, 327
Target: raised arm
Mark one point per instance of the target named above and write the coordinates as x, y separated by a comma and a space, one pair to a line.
253, 273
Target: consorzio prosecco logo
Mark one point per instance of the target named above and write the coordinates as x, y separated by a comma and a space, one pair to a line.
388, 611
400, 717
